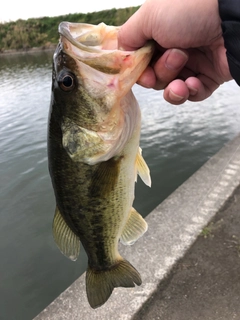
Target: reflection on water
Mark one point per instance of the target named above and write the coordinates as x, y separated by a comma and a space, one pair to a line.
176, 141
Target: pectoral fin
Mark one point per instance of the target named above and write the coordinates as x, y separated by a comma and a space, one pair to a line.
135, 227
65, 238
142, 169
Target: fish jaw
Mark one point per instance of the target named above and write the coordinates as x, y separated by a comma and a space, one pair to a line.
96, 46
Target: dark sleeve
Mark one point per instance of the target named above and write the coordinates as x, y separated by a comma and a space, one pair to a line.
230, 15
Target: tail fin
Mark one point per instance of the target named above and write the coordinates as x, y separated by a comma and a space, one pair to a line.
100, 284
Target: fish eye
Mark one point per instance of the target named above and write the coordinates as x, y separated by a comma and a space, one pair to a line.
66, 81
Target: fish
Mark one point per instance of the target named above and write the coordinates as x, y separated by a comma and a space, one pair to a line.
94, 155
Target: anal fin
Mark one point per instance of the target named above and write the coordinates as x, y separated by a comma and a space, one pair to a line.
135, 227
65, 238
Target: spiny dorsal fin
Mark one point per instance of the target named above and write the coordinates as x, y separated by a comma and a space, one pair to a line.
100, 284
142, 169
65, 238
135, 227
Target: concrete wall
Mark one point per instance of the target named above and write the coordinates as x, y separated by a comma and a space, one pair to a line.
173, 226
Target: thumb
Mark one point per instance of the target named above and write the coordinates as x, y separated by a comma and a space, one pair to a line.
131, 34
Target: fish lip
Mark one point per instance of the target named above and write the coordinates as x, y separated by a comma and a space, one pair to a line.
66, 29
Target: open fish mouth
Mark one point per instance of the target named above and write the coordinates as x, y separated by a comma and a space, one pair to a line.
93, 38
97, 47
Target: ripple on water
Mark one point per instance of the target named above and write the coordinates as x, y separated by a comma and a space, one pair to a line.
176, 141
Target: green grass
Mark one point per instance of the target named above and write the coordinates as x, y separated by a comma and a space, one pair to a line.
43, 32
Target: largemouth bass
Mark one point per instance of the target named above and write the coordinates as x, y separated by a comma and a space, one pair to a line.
94, 155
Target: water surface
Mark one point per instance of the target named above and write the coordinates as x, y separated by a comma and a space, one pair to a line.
176, 141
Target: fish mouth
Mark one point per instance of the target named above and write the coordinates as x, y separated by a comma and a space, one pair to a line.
97, 47
90, 38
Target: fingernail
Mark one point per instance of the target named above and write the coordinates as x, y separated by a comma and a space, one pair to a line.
192, 91
142, 84
175, 97
176, 59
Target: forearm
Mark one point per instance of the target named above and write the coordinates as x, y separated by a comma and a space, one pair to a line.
230, 15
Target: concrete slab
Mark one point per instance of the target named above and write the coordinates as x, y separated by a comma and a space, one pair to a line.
173, 227
205, 283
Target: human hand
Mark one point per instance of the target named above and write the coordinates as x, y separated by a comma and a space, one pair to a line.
190, 58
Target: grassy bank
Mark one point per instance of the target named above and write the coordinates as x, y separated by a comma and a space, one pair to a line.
43, 32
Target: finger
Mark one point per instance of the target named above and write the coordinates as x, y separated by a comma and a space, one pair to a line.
186, 73
168, 67
193, 89
131, 35
148, 78
176, 92
200, 87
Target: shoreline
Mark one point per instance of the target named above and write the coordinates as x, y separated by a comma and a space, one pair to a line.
51, 47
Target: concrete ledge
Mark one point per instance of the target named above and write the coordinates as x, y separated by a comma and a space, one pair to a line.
173, 227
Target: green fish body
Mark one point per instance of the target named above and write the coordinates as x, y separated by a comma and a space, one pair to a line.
94, 155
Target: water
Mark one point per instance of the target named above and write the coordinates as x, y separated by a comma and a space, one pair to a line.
176, 141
